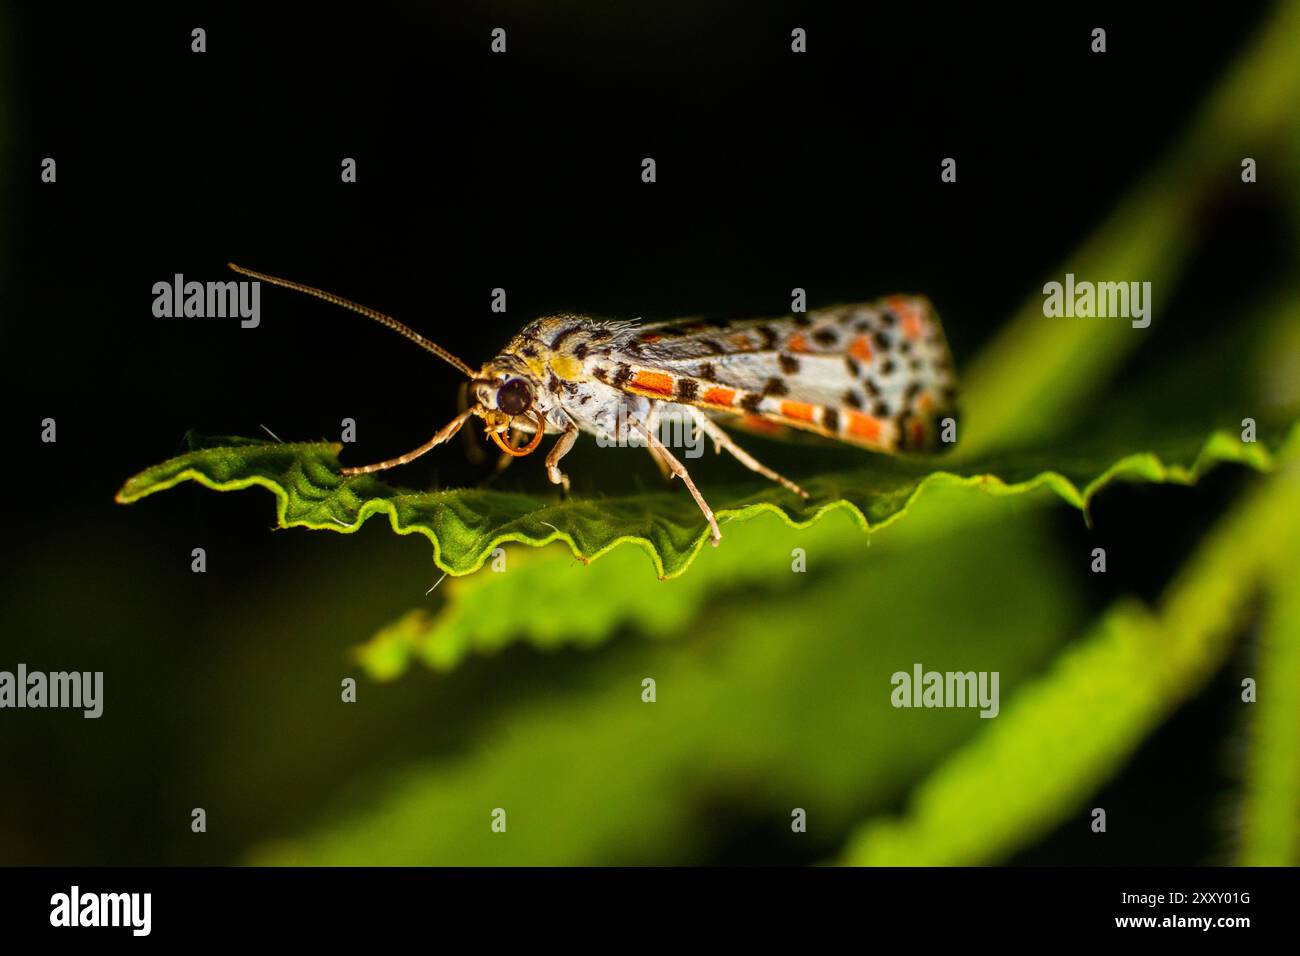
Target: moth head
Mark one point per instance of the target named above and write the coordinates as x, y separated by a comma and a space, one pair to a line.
508, 397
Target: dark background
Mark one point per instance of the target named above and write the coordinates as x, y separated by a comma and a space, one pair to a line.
477, 171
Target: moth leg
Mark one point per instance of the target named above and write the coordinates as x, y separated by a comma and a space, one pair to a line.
652, 423
446, 434
558, 451
678, 469
723, 440
665, 469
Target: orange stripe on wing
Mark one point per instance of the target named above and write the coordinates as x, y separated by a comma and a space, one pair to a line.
865, 427
861, 348
912, 327
798, 411
725, 397
909, 316
759, 424
658, 383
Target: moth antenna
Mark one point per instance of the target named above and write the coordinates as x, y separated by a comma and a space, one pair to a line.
385, 320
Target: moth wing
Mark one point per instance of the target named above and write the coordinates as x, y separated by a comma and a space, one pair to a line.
877, 375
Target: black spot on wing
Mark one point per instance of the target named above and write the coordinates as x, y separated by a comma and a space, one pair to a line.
687, 389
789, 364
900, 426
775, 386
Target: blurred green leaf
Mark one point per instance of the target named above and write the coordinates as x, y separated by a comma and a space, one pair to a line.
764, 705
549, 601
1270, 818
1061, 737
1040, 373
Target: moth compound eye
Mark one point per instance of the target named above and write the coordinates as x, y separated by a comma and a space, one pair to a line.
514, 397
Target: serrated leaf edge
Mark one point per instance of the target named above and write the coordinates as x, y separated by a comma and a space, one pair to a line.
1221, 447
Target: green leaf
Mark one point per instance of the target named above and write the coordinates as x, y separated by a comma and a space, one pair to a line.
1038, 376
465, 525
756, 711
487, 611
1270, 817
549, 601
1060, 738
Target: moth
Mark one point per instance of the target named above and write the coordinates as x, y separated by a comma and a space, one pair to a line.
878, 375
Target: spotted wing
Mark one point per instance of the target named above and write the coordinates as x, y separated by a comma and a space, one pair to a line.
878, 375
